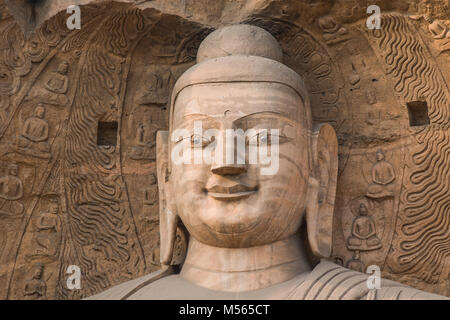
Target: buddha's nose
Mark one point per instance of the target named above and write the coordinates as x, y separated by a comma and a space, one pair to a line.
232, 160
228, 169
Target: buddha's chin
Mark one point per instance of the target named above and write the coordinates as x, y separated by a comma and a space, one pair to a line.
241, 222
232, 216
233, 227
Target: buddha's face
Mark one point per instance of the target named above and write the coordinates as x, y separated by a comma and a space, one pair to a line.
363, 210
235, 205
40, 112
13, 170
380, 156
38, 272
327, 22
63, 68
54, 208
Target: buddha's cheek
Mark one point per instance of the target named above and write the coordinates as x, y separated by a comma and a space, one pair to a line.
284, 197
187, 184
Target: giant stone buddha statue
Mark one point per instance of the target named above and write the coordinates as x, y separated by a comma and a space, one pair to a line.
250, 235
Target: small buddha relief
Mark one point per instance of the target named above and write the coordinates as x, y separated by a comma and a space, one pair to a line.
48, 228
143, 125
144, 147
333, 32
383, 178
156, 88
364, 225
150, 202
364, 232
11, 192
55, 87
34, 134
439, 30
36, 287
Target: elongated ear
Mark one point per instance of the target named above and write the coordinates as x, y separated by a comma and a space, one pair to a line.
322, 190
168, 219
173, 235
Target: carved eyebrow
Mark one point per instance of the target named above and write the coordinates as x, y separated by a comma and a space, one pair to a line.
196, 115
274, 100
263, 113
187, 119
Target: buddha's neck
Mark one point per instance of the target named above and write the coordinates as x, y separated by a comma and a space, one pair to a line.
244, 269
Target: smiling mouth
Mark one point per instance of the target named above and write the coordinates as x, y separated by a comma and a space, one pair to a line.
234, 192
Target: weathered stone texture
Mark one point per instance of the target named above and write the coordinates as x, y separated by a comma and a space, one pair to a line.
79, 112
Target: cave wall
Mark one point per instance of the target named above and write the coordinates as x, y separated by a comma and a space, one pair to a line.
86, 193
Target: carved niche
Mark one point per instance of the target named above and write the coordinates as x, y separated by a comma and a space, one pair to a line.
79, 112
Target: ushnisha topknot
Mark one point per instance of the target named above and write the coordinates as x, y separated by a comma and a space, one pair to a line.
240, 53
229, 40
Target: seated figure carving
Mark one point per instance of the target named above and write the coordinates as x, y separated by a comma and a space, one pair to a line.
36, 288
144, 148
383, 175
440, 32
246, 239
364, 232
333, 32
54, 88
48, 228
57, 85
11, 191
34, 135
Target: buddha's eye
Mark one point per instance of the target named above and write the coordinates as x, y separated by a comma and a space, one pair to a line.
266, 139
198, 141
260, 139
263, 139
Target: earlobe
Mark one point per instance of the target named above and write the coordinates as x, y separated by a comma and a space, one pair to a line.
168, 229
171, 235
322, 190
312, 209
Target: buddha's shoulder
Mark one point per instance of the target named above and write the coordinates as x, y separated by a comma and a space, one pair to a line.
329, 281
155, 280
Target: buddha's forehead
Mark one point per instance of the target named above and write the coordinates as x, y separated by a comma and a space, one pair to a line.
239, 99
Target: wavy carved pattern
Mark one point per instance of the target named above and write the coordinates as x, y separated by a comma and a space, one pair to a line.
424, 232
99, 220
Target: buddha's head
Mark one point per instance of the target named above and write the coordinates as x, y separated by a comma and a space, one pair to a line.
40, 111
327, 23
380, 155
362, 210
240, 83
38, 269
53, 207
63, 67
13, 169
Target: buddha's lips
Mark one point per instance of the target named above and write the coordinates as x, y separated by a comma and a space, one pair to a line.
231, 192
